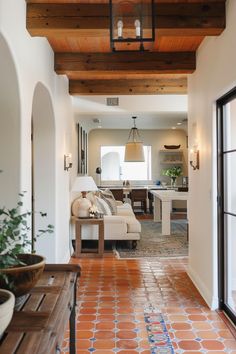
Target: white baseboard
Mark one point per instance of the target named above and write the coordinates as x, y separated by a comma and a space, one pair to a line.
211, 301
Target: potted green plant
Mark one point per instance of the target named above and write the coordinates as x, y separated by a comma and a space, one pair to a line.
173, 173
20, 267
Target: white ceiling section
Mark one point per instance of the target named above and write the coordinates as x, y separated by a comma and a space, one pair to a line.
153, 112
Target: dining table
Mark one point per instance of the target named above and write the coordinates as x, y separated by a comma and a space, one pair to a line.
163, 206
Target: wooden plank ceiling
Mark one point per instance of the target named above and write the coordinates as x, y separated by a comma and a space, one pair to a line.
78, 31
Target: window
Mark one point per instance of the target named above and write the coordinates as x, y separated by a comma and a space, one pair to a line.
114, 167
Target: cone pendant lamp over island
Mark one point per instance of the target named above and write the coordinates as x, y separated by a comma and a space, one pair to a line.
134, 146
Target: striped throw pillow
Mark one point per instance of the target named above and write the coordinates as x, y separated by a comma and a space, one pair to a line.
109, 199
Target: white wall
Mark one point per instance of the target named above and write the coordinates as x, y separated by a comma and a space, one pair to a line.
9, 128
155, 138
129, 103
34, 62
215, 75
43, 169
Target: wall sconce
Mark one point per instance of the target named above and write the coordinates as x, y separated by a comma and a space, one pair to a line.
194, 157
67, 162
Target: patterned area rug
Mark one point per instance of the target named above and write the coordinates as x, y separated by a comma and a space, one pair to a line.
153, 244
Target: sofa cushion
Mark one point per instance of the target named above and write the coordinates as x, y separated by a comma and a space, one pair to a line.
125, 209
109, 199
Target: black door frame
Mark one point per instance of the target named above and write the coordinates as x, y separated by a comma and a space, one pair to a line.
220, 197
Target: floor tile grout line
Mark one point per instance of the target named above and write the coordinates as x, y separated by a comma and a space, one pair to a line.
158, 270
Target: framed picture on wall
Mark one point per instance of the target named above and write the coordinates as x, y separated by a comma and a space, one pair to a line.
80, 154
82, 151
86, 153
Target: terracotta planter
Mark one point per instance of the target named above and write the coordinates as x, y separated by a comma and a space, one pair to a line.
7, 302
24, 277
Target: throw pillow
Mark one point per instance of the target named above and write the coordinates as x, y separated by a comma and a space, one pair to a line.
109, 198
102, 206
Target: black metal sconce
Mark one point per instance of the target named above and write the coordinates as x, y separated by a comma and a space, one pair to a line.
67, 162
194, 161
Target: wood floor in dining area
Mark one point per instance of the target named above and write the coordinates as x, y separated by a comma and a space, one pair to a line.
144, 306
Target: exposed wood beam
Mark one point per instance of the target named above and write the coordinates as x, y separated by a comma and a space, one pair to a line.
105, 1
89, 75
129, 62
128, 87
173, 18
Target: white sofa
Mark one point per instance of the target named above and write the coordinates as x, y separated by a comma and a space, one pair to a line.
122, 226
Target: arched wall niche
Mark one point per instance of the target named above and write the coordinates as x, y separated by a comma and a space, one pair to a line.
43, 169
10, 128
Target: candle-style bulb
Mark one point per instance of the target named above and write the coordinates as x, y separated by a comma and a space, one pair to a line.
119, 28
137, 28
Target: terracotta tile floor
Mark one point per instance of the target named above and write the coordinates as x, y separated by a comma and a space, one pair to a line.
112, 294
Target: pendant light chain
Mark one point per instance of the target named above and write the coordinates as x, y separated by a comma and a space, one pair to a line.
134, 132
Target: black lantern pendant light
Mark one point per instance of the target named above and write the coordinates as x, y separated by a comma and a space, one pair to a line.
131, 24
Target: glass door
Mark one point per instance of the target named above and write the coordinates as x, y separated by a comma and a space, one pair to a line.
227, 202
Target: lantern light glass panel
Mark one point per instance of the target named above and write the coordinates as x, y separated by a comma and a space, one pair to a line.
132, 24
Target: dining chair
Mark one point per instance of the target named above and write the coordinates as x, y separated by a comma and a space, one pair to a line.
118, 194
150, 200
139, 195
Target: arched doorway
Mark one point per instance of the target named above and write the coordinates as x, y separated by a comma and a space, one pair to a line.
43, 169
10, 152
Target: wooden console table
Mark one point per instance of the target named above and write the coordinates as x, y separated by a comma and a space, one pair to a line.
39, 325
78, 242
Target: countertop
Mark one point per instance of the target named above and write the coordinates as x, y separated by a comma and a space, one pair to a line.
147, 186
153, 186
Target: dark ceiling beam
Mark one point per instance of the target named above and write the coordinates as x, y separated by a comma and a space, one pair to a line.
129, 62
128, 87
173, 18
